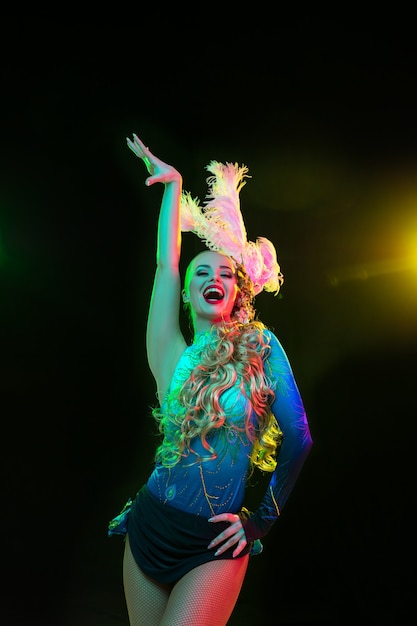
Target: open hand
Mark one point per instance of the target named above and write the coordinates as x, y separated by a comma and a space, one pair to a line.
234, 534
159, 171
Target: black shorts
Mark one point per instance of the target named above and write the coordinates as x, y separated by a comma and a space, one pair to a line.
166, 543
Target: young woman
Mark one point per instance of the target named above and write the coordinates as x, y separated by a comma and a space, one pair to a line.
228, 404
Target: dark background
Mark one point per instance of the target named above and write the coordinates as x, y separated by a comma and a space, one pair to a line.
323, 112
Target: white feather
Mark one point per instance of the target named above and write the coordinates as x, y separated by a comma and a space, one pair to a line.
219, 223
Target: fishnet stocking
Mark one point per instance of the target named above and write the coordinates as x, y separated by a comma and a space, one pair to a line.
145, 599
206, 596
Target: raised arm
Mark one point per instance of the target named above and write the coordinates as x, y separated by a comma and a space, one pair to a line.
164, 340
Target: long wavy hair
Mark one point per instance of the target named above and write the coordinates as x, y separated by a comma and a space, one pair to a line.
235, 354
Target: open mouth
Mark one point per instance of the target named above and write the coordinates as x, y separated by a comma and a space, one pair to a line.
213, 294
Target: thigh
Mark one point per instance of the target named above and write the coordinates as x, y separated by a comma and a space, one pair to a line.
146, 599
206, 595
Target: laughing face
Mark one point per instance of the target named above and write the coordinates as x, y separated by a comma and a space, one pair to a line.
210, 289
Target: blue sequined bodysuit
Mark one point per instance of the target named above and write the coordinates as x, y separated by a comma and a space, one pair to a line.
198, 486
208, 487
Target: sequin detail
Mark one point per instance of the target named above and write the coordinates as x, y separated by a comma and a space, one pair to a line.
171, 492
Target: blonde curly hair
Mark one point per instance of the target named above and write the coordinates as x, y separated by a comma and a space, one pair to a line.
235, 355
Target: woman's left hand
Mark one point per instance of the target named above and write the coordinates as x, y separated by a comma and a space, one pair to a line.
231, 536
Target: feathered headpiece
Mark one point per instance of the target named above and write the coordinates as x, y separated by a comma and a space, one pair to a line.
219, 223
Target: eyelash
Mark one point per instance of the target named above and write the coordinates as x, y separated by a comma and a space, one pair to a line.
205, 273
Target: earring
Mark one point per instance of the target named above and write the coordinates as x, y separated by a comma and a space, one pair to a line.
185, 298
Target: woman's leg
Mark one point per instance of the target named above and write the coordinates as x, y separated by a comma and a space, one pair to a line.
146, 599
207, 595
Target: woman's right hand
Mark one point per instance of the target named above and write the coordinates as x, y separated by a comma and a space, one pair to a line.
159, 171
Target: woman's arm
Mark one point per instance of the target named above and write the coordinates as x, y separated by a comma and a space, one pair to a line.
164, 340
289, 411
